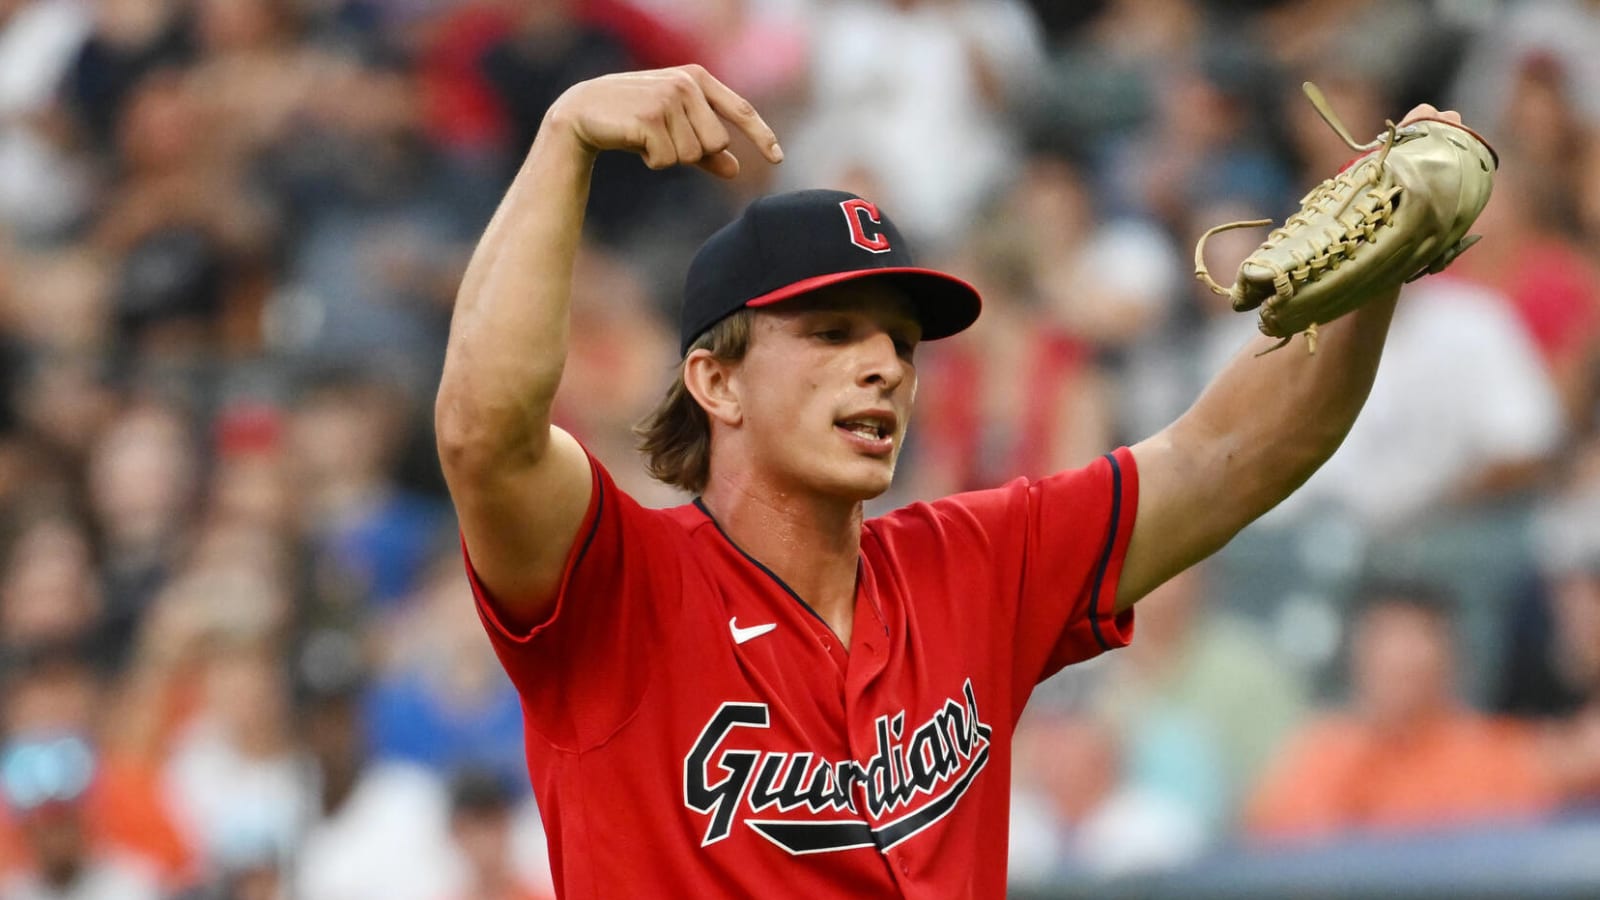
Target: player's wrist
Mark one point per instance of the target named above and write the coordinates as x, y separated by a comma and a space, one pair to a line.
562, 127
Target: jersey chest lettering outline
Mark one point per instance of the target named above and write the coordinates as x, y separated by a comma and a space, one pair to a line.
938, 759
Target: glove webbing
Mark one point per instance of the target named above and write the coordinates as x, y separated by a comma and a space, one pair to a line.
1372, 182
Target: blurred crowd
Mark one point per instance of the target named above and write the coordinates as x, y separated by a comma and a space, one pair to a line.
238, 657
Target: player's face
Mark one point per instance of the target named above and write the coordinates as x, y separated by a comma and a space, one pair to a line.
827, 386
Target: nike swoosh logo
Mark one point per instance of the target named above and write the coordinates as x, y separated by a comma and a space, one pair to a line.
740, 635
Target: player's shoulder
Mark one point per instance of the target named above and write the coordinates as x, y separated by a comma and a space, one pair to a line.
965, 509
686, 518
1007, 504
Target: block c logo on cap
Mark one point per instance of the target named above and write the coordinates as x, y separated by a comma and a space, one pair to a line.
859, 213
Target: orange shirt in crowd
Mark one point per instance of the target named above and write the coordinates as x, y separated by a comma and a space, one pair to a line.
1342, 775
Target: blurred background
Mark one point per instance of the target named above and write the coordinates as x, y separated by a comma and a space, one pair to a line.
237, 652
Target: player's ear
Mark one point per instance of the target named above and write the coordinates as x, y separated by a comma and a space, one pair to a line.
708, 380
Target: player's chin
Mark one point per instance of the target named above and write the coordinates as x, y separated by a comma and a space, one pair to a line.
863, 478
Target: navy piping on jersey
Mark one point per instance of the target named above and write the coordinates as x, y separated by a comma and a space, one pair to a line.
700, 505
1105, 554
594, 527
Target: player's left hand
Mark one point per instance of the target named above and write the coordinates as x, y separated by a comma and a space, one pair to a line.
1428, 111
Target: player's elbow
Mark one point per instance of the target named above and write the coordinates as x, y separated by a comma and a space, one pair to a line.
476, 440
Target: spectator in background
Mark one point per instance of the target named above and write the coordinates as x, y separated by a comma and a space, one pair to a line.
371, 537
376, 828
374, 221
453, 43
254, 74
48, 589
439, 697
1108, 278
131, 39
1552, 670
61, 402
616, 361
1550, 284
461, 113
481, 809
235, 775
1075, 816
1409, 48
1405, 754
1531, 253
917, 92
59, 301
45, 780
141, 487
1200, 701
1547, 45
78, 805
1462, 411
182, 233
250, 484
549, 48
1106, 60
45, 186
1205, 138
1527, 79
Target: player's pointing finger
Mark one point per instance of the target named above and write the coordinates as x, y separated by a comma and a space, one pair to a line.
741, 112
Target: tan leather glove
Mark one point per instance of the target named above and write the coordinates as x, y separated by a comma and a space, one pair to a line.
1397, 213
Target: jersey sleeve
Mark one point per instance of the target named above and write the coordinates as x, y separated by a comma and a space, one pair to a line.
1069, 534
582, 672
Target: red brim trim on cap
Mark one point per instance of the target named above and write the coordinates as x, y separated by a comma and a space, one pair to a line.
939, 319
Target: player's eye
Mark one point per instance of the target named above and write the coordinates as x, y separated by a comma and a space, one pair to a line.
832, 335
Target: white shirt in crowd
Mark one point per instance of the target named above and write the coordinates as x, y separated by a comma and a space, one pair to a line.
1461, 390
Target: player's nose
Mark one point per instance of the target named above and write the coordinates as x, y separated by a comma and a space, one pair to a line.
881, 364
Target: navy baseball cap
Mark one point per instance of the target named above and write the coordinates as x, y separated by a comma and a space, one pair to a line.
786, 245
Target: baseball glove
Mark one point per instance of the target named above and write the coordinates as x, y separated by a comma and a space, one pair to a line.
1396, 213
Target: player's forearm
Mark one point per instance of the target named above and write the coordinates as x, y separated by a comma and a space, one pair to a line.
1257, 433
508, 335
1266, 423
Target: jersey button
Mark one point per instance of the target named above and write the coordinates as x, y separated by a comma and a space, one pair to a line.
905, 867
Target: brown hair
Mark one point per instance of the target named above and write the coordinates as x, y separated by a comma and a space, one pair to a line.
676, 437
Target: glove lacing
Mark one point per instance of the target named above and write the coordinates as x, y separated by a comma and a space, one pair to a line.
1367, 180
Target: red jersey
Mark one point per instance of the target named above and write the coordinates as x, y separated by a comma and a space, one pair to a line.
695, 730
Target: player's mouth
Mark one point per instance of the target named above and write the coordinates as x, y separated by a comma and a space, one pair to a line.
871, 432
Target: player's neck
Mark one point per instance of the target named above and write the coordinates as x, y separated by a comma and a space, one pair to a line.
812, 543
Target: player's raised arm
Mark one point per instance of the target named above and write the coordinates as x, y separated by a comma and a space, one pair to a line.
520, 485
1270, 419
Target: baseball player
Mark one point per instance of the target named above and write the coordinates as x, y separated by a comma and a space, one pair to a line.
760, 693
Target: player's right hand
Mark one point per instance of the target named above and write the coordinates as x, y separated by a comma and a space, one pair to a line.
677, 116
